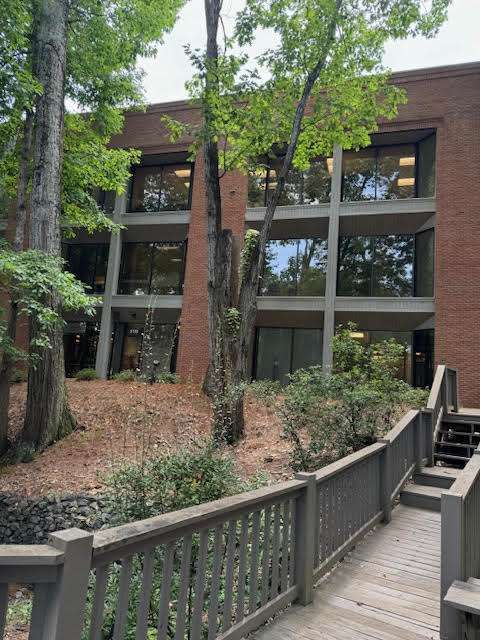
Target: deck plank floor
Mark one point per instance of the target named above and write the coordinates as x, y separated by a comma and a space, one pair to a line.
387, 588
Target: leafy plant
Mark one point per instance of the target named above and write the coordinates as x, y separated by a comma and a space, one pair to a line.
86, 374
327, 417
18, 375
265, 391
127, 375
167, 377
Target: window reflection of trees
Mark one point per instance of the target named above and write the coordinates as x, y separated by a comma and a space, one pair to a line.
161, 188
295, 267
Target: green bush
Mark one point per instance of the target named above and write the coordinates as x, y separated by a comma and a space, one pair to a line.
18, 375
166, 377
86, 374
127, 375
265, 391
327, 417
197, 473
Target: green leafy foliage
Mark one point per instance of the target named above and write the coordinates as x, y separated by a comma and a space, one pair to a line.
327, 417
30, 277
167, 377
127, 375
266, 392
86, 374
195, 474
18, 375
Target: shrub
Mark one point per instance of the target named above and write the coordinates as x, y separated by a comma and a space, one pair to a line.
127, 375
327, 417
166, 377
86, 374
197, 473
18, 375
265, 391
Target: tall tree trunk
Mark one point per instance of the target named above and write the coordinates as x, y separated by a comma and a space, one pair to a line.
7, 362
220, 381
47, 415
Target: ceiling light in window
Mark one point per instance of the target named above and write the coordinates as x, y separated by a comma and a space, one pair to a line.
330, 165
273, 173
272, 185
182, 173
406, 182
407, 162
187, 184
359, 335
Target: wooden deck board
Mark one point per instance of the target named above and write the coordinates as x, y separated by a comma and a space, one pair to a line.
387, 588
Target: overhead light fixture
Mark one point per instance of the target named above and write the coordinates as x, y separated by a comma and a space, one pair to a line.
272, 173
406, 182
182, 173
187, 184
330, 165
357, 334
407, 162
272, 185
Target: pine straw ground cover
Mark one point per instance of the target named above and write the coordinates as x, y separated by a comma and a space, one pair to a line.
121, 419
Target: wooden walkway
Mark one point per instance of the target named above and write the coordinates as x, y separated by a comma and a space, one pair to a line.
387, 588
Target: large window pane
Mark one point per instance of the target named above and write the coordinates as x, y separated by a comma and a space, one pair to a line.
302, 187
354, 266
423, 348
424, 263
395, 172
359, 175
307, 348
161, 188
295, 267
135, 269
88, 263
392, 272
426, 167
274, 353
167, 269
80, 341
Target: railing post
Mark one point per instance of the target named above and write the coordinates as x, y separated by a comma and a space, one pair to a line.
444, 392
65, 607
452, 562
427, 420
455, 400
385, 481
419, 441
305, 515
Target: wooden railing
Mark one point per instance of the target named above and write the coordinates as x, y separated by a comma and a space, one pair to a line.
460, 559
217, 570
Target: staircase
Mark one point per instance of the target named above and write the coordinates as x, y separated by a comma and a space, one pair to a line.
456, 439
427, 486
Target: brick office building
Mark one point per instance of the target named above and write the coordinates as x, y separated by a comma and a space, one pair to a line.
388, 237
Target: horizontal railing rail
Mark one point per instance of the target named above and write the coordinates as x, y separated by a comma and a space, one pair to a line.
218, 570
460, 541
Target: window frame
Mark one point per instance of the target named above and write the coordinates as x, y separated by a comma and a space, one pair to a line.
179, 243
160, 165
98, 248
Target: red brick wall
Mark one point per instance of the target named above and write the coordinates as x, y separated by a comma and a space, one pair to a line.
445, 98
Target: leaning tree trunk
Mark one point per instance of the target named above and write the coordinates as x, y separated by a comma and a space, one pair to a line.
47, 415
7, 363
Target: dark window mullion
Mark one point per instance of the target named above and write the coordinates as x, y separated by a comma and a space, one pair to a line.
292, 338
373, 240
152, 248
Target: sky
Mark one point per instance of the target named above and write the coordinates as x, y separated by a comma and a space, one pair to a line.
458, 41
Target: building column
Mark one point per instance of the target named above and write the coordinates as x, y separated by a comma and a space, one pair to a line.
111, 281
332, 259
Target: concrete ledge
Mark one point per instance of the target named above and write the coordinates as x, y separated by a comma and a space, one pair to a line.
290, 303
381, 207
147, 302
294, 212
160, 218
400, 305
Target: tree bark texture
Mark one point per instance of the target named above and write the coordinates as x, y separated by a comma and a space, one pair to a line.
47, 415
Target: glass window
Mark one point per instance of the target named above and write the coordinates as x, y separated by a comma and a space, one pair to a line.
392, 266
106, 200
390, 172
424, 263
295, 267
426, 167
144, 345
359, 173
161, 188
80, 341
355, 255
375, 266
281, 351
301, 187
134, 278
167, 269
88, 263
151, 268
423, 349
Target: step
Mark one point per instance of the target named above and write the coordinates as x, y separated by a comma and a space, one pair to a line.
464, 596
461, 418
422, 497
448, 457
474, 581
442, 477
